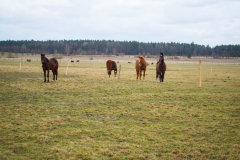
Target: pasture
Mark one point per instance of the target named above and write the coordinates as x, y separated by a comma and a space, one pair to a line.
86, 115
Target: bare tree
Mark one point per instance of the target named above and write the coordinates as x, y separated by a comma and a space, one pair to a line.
77, 52
67, 49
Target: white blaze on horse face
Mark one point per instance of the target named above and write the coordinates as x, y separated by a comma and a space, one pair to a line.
139, 62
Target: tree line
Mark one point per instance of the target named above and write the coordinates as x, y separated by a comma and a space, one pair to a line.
111, 47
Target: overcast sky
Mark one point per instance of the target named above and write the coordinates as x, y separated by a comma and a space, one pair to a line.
204, 22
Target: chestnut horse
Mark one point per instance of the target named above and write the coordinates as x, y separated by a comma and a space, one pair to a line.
160, 68
51, 64
140, 66
111, 65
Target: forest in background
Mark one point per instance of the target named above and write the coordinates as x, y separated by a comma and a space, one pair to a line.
111, 47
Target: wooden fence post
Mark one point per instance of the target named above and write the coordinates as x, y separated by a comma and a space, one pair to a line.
67, 66
199, 82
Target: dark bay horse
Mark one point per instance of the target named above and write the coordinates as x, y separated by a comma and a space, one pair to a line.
51, 64
160, 68
111, 65
141, 65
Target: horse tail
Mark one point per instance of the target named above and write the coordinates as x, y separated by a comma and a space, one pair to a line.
107, 64
137, 64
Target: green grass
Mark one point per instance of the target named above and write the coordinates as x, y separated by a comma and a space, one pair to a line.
85, 115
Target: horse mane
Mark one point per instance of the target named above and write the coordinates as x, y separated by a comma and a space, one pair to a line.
161, 61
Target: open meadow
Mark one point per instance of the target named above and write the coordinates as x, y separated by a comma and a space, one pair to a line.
86, 115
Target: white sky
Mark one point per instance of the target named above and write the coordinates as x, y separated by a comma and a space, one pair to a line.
204, 22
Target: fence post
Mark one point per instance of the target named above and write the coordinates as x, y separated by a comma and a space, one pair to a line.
67, 66
199, 83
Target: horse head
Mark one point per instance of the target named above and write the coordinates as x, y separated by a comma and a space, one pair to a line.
161, 59
115, 69
43, 58
141, 58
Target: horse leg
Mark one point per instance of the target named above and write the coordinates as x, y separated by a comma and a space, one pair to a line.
48, 75
137, 75
56, 74
140, 74
156, 76
109, 73
144, 75
53, 71
44, 76
162, 77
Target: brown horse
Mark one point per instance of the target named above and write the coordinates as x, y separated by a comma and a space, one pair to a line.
111, 65
160, 68
51, 64
140, 66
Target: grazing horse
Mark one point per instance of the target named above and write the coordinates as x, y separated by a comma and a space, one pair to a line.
160, 68
28, 60
51, 64
141, 65
111, 65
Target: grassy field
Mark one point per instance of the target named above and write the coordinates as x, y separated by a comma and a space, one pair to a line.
85, 115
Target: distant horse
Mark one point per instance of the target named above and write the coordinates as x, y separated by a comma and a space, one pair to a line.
77, 61
72, 60
51, 64
111, 65
28, 60
140, 66
160, 68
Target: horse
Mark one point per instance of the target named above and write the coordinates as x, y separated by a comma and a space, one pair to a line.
51, 64
111, 65
141, 65
28, 60
161, 67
